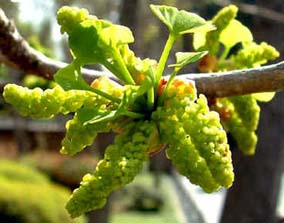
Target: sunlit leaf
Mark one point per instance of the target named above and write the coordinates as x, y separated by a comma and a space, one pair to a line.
115, 35
185, 58
235, 33
70, 78
179, 21
93, 115
264, 97
199, 40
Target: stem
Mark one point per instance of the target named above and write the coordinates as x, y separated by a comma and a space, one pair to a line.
105, 95
112, 69
164, 57
134, 115
127, 78
225, 53
150, 98
151, 94
77, 65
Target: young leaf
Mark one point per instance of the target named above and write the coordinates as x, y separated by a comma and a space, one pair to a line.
179, 21
116, 35
185, 58
70, 78
93, 40
92, 115
264, 97
210, 41
235, 33
199, 40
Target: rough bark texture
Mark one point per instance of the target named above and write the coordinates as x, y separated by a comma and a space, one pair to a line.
253, 197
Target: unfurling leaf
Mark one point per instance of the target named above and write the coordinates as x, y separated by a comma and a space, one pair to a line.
179, 21
185, 58
235, 33
264, 97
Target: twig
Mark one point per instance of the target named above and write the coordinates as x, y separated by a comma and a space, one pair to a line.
239, 82
254, 10
15, 52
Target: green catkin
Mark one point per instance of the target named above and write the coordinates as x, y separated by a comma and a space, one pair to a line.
78, 135
37, 103
68, 18
197, 142
246, 140
221, 21
243, 121
254, 55
184, 154
247, 109
121, 163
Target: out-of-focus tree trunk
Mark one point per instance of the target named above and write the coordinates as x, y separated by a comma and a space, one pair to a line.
128, 15
254, 195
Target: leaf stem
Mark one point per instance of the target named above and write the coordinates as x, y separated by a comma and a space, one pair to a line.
150, 98
133, 114
225, 53
164, 57
127, 78
105, 95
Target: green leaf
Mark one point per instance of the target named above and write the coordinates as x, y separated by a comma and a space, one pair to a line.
115, 35
185, 58
70, 78
199, 40
264, 97
179, 21
210, 41
93, 115
235, 33
93, 40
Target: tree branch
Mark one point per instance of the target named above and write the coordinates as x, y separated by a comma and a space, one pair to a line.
16, 52
254, 10
239, 82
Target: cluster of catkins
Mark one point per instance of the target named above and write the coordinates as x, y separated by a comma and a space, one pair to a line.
195, 140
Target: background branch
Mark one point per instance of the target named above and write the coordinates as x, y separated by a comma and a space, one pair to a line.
254, 10
17, 53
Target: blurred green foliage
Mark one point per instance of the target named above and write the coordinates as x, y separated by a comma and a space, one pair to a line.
27, 196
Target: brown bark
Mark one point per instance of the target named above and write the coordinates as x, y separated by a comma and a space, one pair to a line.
16, 52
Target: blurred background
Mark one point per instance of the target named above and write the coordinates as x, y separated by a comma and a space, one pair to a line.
35, 180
